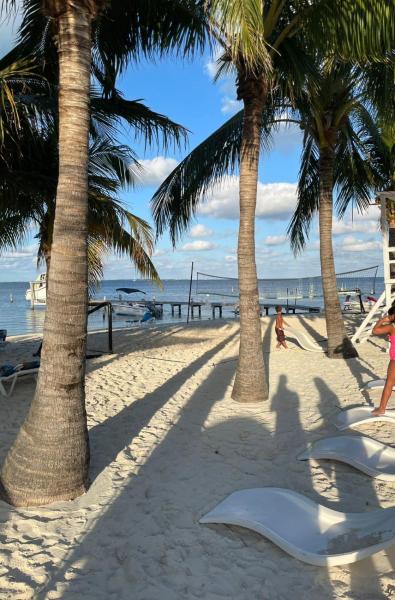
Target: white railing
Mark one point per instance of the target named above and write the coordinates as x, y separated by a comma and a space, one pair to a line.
365, 328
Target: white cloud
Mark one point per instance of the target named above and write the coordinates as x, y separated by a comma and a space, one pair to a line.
230, 106
211, 68
155, 170
159, 252
355, 226
275, 201
275, 240
353, 244
197, 246
230, 258
371, 214
200, 231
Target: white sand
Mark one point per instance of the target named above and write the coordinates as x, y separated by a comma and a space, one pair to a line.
168, 443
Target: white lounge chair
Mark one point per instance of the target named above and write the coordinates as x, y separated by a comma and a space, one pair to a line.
361, 414
18, 374
307, 530
363, 453
305, 341
374, 384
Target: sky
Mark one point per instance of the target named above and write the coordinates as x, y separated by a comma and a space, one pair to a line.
185, 92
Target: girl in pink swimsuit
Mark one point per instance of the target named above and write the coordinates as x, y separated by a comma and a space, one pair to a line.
386, 327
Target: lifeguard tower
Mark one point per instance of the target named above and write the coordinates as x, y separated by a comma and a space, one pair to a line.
382, 304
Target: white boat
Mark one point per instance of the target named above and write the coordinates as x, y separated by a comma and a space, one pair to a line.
36, 293
129, 309
142, 310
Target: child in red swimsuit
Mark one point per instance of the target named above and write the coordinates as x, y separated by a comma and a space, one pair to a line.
279, 328
386, 327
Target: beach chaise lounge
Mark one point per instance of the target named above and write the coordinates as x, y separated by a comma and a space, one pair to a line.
11, 374
374, 384
361, 414
308, 531
368, 455
304, 340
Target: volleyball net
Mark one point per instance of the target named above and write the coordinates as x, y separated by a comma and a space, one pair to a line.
361, 281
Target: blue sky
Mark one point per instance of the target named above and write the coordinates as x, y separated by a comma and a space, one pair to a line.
185, 92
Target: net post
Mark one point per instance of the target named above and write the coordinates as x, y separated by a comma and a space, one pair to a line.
190, 291
109, 313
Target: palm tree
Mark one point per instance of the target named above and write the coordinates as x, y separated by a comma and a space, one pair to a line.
49, 459
381, 94
266, 44
27, 197
342, 150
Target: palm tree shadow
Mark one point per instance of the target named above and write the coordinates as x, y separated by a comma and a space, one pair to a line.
358, 366
107, 439
174, 470
311, 330
291, 437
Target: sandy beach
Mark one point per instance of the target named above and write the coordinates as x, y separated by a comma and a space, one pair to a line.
168, 444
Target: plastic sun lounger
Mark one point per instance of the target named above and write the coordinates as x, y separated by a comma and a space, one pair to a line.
363, 453
361, 414
305, 341
375, 384
13, 378
308, 531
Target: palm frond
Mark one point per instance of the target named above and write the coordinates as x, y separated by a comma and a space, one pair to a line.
378, 80
146, 27
363, 163
176, 201
110, 115
348, 29
308, 195
15, 77
240, 24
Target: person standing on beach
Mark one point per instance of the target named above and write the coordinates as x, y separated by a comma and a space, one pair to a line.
279, 328
386, 327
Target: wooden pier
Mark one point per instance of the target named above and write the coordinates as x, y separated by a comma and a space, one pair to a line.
176, 307
290, 308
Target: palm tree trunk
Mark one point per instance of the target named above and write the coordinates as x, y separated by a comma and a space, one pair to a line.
339, 345
50, 456
250, 383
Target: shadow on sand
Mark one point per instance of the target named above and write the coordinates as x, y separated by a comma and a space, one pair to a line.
190, 468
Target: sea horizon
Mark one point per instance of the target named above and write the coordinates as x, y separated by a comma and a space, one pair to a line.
18, 318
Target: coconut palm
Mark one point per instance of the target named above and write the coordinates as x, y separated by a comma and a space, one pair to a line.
49, 459
29, 169
343, 151
381, 94
265, 43
27, 199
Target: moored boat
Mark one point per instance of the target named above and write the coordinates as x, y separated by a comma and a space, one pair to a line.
36, 293
143, 310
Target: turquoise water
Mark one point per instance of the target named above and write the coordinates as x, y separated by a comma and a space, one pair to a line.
17, 316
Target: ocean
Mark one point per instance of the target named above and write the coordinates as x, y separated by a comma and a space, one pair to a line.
17, 316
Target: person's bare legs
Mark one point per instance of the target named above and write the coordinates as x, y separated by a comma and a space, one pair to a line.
284, 344
387, 391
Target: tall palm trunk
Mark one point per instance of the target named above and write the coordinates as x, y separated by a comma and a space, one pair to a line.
50, 456
250, 383
339, 346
